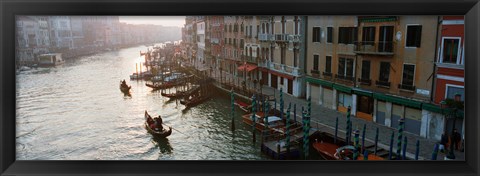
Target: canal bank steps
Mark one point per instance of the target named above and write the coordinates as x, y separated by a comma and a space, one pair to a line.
324, 119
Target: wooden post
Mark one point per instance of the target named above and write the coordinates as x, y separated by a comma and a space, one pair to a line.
232, 98
363, 136
391, 146
254, 113
336, 131
347, 133
404, 148
435, 152
376, 141
356, 144
417, 151
287, 138
365, 155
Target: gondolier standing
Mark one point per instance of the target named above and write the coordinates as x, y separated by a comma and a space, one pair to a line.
158, 123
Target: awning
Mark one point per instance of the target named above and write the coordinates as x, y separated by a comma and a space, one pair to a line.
398, 100
342, 88
319, 81
247, 67
363, 92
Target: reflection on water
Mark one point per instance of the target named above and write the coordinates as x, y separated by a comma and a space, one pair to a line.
76, 111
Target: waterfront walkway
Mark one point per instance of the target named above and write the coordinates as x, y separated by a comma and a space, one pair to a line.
324, 120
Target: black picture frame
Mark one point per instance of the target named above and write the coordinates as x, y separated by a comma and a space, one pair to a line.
10, 8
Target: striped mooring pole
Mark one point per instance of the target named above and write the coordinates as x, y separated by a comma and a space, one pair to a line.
254, 112
376, 141
275, 101
347, 133
404, 148
309, 106
391, 146
363, 136
417, 151
265, 121
281, 103
399, 139
336, 131
306, 130
287, 138
295, 113
232, 97
356, 144
435, 152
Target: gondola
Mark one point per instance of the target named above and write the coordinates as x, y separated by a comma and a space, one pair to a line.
159, 134
160, 86
177, 94
124, 87
194, 101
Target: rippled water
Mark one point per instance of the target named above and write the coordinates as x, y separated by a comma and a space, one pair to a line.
76, 112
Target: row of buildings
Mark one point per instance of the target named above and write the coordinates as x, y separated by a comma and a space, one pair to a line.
384, 67
81, 34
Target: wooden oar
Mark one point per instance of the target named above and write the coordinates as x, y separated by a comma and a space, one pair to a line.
176, 130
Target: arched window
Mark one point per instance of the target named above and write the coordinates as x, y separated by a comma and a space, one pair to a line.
263, 28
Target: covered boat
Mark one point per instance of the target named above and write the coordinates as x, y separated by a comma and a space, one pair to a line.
159, 134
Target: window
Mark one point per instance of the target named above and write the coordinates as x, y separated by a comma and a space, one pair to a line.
283, 53
296, 25
241, 27
251, 33
295, 58
414, 36
328, 64
408, 76
384, 72
283, 24
242, 43
315, 62
385, 43
329, 34
368, 35
345, 68
365, 70
347, 35
230, 28
450, 50
263, 28
451, 90
316, 34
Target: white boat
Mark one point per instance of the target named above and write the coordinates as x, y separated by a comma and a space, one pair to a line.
51, 59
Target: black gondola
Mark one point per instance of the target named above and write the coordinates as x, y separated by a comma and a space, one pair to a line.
159, 134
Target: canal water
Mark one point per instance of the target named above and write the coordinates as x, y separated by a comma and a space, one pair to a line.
76, 111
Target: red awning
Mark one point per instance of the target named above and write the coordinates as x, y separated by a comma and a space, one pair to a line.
247, 67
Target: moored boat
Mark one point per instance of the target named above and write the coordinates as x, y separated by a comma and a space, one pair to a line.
329, 150
165, 85
159, 134
51, 59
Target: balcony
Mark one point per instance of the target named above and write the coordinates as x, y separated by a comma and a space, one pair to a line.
250, 59
263, 37
315, 73
406, 87
329, 74
281, 37
294, 71
375, 48
348, 78
382, 84
365, 81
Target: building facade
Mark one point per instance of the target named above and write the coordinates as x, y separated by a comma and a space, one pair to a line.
282, 40
381, 67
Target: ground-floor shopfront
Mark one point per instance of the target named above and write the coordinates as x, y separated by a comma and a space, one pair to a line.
420, 118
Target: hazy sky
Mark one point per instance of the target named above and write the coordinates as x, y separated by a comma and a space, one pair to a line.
157, 20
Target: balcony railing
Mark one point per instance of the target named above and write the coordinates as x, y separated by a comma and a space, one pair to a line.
383, 83
349, 78
281, 37
295, 71
327, 74
315, 73
406, 87
263, 37
375, 48
365, 81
